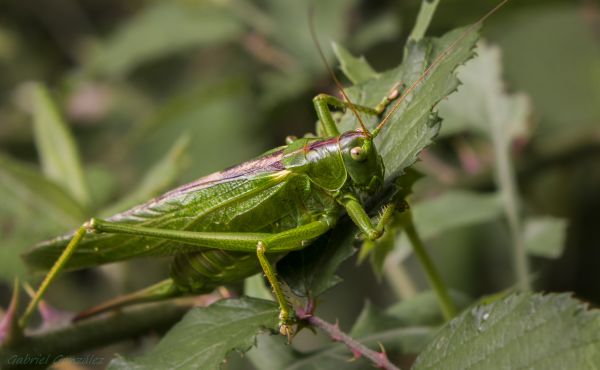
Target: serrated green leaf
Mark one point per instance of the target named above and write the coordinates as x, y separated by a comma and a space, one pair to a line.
164, 28
57, 149
454, 209
414, 124
356, 69
522, 331
204, 337
545, 236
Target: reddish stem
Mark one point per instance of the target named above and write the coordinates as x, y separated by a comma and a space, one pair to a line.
379, 359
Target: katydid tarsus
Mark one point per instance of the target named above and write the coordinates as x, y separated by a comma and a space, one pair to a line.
232, 224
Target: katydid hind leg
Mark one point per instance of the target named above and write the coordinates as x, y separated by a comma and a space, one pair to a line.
58, 266
259, 243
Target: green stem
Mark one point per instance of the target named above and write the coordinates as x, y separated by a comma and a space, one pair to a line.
438, 286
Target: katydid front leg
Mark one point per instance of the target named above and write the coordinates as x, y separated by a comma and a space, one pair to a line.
322, 102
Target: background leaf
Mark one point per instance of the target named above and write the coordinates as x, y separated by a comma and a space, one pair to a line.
551, 331
162, 29
356, 69
545, 236
482, 91
454, 209
57, 150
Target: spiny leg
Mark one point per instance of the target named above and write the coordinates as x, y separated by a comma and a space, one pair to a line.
360, 218
285, 241
53, 273
284, 307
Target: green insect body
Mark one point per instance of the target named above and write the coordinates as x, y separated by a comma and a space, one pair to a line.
234, 223
217, 226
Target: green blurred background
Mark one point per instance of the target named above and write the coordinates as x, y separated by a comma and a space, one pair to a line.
157, 93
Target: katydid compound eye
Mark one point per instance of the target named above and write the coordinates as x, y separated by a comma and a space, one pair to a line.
357, 153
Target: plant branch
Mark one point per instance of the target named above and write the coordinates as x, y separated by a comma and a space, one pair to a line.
379, 359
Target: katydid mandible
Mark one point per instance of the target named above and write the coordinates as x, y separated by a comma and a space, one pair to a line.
232, 224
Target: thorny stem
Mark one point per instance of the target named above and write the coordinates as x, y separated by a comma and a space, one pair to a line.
379, 359
432, 273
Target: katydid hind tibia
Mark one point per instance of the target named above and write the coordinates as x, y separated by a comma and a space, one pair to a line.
240, 221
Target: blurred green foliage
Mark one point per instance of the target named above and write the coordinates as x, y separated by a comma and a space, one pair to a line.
153, 94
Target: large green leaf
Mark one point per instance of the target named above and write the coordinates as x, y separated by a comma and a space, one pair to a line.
521, 331
57, 149
204, 337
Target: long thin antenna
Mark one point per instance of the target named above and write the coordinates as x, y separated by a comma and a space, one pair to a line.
337, 82
433, 65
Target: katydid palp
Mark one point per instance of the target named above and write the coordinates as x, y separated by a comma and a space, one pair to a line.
232, 224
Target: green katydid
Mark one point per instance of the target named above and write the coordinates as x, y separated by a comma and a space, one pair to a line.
232, 224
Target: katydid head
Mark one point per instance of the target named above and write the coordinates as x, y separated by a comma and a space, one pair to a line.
363, 164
